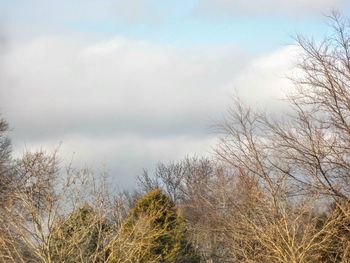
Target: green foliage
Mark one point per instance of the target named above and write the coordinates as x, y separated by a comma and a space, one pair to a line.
156, 231
79, 238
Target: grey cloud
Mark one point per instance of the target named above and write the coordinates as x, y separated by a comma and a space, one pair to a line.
125, 103
109, 125
113, 87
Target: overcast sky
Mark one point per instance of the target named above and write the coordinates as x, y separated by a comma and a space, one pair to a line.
126, 84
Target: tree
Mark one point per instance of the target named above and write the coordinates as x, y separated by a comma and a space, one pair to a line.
30, 208
153, 232
314, 144
6, 185
300, 162
47, 221
5, 163
5, 146
79, 238
195, 185
339, 248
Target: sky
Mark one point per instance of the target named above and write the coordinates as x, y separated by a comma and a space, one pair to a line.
123, 85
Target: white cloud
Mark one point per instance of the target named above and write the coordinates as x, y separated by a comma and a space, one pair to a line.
265, 82
284, 7
128, 103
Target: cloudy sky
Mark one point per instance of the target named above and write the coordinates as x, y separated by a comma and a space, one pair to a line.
126, 84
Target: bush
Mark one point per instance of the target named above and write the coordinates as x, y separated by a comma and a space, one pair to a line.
80, 238
153, 232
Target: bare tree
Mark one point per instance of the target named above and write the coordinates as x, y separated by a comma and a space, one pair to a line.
170, 177
297, 162
46, 220
5, 162
315, 142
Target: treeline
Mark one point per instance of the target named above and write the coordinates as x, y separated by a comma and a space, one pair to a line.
277, 189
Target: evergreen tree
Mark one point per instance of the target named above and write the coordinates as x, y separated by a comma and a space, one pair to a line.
153, 232
80, 238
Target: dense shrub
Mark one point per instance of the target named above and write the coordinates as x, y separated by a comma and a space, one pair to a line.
153, 232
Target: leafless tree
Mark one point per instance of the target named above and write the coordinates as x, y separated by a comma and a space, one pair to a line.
298, 162
38, 222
